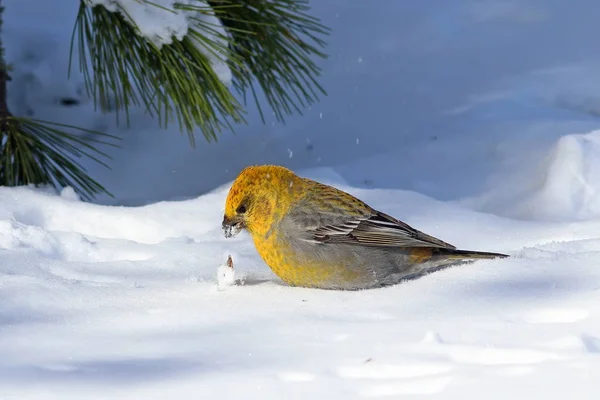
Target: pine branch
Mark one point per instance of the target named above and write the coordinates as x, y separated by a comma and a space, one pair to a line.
41, 152
272, 41
4, 113
175, 81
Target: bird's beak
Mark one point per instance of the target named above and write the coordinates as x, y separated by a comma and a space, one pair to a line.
232, 226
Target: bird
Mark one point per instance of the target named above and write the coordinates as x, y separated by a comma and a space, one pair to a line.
313, 235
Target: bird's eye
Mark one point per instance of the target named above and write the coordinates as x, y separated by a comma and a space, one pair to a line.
241, 209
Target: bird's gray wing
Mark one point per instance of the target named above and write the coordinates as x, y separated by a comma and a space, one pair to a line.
370, 229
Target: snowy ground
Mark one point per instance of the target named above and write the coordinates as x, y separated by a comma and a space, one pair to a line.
107, 302
475, 121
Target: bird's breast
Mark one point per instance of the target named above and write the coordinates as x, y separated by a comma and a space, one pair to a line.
303, 266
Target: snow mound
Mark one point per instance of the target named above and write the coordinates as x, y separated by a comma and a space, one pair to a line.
571, 185
561, 183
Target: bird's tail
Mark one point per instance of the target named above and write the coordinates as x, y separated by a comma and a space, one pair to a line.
432, 260
473, 255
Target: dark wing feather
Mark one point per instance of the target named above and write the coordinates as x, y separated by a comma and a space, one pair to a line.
378, 229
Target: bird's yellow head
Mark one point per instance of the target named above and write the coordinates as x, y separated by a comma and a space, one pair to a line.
259, 196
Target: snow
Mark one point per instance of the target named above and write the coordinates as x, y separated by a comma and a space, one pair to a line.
226, 273
474, 121
158, 21
103, 301
561, 186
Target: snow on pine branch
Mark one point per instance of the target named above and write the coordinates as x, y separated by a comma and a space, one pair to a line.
159, 21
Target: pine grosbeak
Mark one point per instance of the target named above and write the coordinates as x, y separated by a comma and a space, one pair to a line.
314, 235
